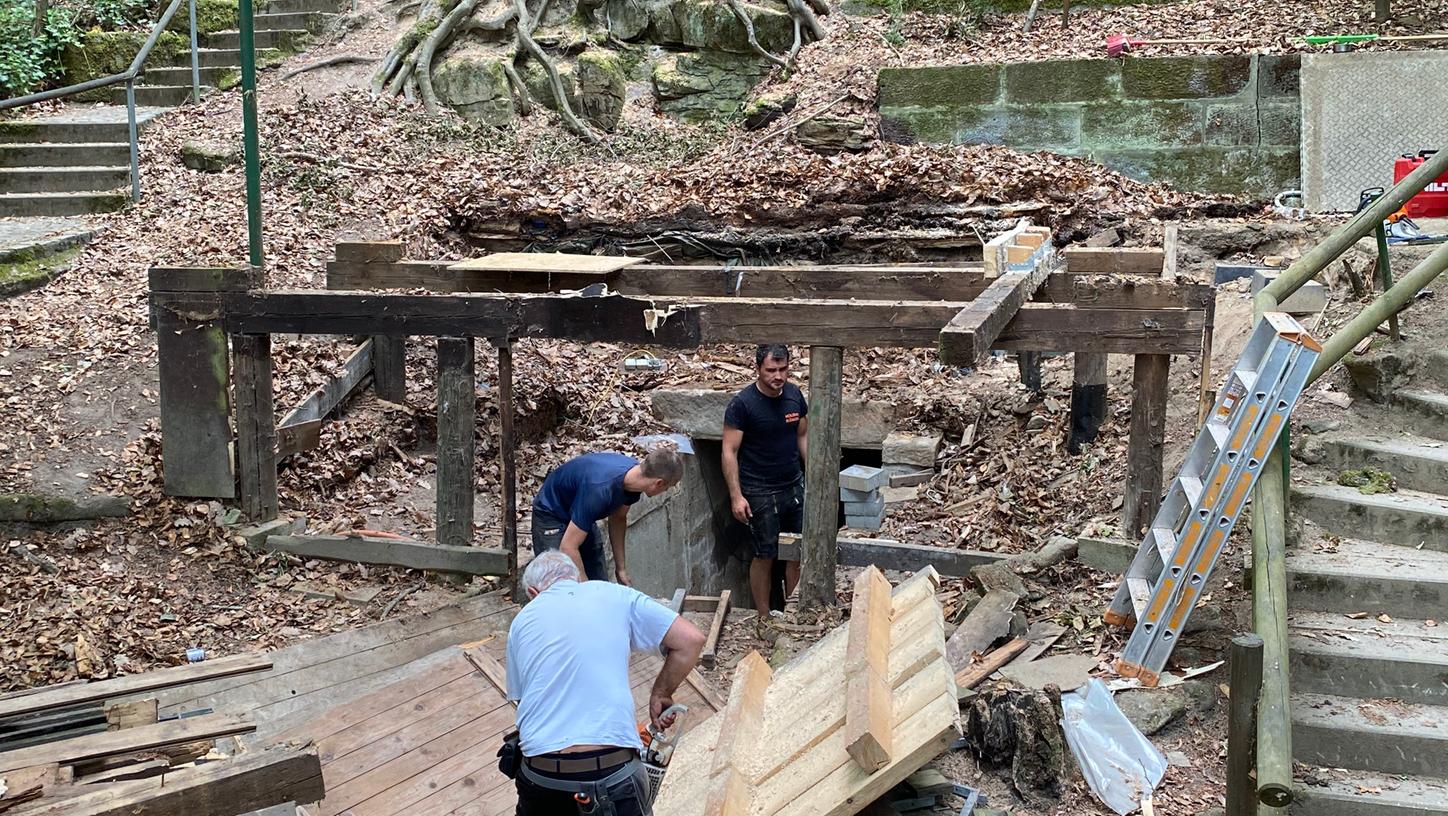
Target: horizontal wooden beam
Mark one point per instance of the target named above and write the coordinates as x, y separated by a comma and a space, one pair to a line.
322, 401
73, 694
969, 335
127, 741
1114, 260
418, 555
894, 555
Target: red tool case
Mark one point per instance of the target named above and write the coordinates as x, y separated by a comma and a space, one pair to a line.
1433, 201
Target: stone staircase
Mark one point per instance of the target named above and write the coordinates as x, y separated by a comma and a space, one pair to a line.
78, 162
1370, 691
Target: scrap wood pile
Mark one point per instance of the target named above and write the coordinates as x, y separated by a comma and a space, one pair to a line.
99, 749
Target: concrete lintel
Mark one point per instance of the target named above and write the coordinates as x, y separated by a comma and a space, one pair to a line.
699, 412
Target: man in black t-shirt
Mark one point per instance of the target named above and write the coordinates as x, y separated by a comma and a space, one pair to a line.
764, 443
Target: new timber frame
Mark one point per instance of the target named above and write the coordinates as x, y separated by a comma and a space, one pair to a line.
1089, 307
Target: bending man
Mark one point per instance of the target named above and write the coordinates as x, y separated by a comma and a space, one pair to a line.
592, 487
568, 668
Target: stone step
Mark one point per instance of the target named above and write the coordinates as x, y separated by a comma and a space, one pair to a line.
1406, 518
62, 179
294, 20
1403, 659
14, 205
1386, 736
1426, 411
181, 75
293, 6
1369, 794
1369, 577
206, 58
1418, 463
102, 123
21, 154
166, 96
286, 39
1434, 366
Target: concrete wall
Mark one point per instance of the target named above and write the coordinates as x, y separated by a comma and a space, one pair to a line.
1212, 123
699, 413
1362, 110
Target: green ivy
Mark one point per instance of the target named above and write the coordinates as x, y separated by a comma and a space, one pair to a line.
27, 62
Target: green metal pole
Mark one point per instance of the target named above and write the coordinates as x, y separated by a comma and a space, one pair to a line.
1385, 272
249, 134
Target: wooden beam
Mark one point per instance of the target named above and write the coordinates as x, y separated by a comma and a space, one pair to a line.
131, 714
242, 784
389, 368
420, 555
741, 725
508, 462
1169, 253
894, 555
194, 373
369, 252
716, 627
129, 740
986, 623
323, 400
1114, 260
69, 695
456, 409
869, 717
1088, 399
821, 479
973, 674
969, 336
256, 433
1144, 446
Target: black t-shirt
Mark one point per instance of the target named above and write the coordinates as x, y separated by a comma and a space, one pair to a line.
769, 452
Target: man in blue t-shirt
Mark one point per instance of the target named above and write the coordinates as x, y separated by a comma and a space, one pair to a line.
589, 488
764, 443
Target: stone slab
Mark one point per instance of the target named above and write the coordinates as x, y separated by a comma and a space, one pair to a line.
1345, 148
699, 412
848, 495
26, 238
864, 477
1107, 555
864, 522
902, 448
900, 495
1065, 671
908, 475
870, 507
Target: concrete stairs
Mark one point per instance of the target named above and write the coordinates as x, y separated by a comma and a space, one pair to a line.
1368, 626
77, 163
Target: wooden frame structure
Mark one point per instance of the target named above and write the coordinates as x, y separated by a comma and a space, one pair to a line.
964, 311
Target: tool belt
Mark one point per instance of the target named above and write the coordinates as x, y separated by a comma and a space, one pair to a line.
596, 791
561, 763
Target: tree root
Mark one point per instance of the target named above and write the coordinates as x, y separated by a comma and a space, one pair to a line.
524, 31
748, 24
340, 59
439, 35
521, 98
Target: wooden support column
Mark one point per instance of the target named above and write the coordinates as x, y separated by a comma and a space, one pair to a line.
1029, 362
821, 479
1144, 448
389, 367
256, 425
507, 462
1088, 399
456, 405
1246, 687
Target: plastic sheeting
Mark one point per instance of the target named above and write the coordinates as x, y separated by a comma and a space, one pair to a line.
1118, 762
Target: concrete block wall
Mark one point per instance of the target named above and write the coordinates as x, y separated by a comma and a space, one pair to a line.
1211, 123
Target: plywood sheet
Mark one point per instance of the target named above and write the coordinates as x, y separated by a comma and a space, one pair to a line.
557, 262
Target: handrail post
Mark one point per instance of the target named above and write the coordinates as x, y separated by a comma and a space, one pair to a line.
195, 59
131, 131
1385, 274
249, 139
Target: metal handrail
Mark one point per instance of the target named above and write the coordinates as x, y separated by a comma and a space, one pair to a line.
127, 76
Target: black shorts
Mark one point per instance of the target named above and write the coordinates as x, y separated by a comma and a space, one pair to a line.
548, 535
772, 513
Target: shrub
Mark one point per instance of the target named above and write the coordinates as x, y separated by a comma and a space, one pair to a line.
29, 63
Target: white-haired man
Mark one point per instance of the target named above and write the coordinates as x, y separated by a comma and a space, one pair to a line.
568, 669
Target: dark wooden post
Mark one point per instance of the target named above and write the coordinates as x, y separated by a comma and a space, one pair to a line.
821, 479
507, 460
193, 367
456, 407
1029, 363
389, 367
1246, 686
1144, 448
256, 425
1088, 399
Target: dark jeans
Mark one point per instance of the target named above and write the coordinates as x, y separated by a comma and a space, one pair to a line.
548, 535
629, 797
772, 513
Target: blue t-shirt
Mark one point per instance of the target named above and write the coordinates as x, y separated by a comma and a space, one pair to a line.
568, 664
586, 488
769, 451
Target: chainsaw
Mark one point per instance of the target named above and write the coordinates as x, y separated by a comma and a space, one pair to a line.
659, 747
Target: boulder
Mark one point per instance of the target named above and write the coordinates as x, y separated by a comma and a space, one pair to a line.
704, 85
829, 134
601, 88
628, 19
473, 83
711, 25
1151, 710
768, 107
208, 157
103, 53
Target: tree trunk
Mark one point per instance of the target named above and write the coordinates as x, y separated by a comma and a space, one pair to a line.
1382, 10
42, 10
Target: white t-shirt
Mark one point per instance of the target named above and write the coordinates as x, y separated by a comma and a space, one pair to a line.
568, 664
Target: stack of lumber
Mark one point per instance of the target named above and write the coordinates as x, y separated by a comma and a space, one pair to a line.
836, 727
60, 759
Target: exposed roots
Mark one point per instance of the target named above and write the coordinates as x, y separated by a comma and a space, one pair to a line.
748, 24
425, 52
524, 30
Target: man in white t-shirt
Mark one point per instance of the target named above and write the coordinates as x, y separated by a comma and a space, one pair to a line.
568, 669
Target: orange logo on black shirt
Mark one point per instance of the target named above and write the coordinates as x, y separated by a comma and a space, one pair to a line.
792, 416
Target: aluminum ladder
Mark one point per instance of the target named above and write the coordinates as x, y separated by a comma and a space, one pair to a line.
1182, 544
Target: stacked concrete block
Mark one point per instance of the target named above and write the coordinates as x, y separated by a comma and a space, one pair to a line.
909, 458
860, 491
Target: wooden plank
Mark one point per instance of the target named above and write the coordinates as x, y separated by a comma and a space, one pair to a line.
410, 554
987, 622
389, 368
547, 262
1144, 449
1169, 253
27, 784
243, 783
743, 716
326, 398
894, 555
255, 426
968, 337
72, 694
489, 667
868, 720
456, 418
131, 714
818, 557
716, 627
508, 464
111, 743
1088, 399
1114, 292
994, 253
198, 279
194, 373
1114, 260
369, 252
975, 672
